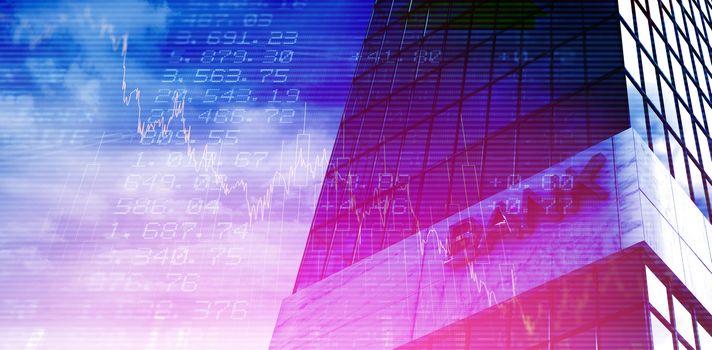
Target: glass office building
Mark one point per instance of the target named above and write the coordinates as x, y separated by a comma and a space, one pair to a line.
449, 91
489, 149
629, 300
667, 58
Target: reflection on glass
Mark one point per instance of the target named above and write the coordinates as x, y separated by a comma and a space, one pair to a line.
678, 161
651, 81
670, 107
637, 111
657, 134
698, 188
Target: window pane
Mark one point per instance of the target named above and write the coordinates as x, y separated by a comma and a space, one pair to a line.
670, 31
679, 78
677, 14
654, 9
661, 55
637, 111
698, 189
705, 338
630, 54
686, 126
705, 53
705, 149
708, 110
670, 107
683, 321
626, 11
657, 294
643, 29
657, 135
651, 81
694, 100
685, 53
678, 162
700, 73
662, 338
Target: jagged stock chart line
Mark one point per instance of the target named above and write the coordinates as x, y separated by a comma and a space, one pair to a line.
189, 232
314, 168
205, 256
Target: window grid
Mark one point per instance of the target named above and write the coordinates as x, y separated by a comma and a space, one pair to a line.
380, 83
685, 54
553, 82
678, 311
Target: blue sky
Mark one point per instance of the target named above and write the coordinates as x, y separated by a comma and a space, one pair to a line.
83, 195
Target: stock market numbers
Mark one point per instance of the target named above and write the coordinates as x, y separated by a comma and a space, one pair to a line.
203, 182
187, 212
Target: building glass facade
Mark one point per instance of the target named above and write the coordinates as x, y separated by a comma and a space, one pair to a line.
666, 47
494, 182
455, 101
616, 303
